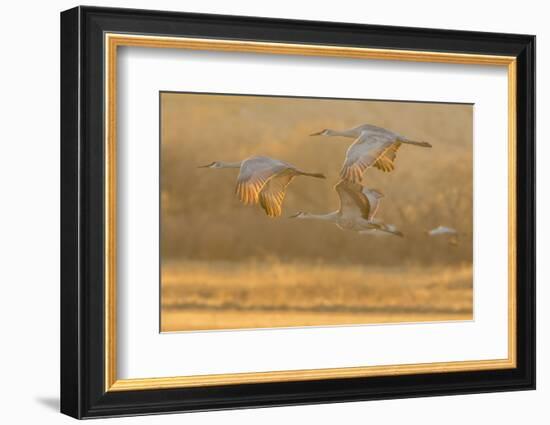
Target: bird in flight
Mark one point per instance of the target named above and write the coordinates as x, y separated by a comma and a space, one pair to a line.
358, 206
373, 146
449, 232
263, 180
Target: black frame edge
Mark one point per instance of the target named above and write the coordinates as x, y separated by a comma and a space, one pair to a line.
70, 383
526, 210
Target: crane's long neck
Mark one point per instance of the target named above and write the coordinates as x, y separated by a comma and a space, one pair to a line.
326, 217
342, 133
230, 164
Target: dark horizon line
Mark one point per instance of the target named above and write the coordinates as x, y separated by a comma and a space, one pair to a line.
161, 92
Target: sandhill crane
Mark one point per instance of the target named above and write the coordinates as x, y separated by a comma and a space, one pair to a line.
358, 205
264, 180
373, 146
448, 232
442, 230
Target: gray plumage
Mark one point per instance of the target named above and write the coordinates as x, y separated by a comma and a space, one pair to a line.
263, 180
358, 205
447, 232
373, 146
442, 230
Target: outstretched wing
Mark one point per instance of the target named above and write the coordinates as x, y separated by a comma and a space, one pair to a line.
385, 162
273, 193
353, 202
364, 152
254, 174
374, 197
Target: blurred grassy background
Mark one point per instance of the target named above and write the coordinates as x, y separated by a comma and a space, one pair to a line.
203, 225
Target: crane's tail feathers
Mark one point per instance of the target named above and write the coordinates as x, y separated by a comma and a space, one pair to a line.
391, 229
316, 175
394, 232
413, 142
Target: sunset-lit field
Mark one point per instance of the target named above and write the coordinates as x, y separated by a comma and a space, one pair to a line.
225, 265
199, 295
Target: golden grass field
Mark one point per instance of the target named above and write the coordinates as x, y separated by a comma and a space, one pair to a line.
225, 265
199, 295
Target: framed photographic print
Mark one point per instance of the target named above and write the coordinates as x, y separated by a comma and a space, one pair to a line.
261, 212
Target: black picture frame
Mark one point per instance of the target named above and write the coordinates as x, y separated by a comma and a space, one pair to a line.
82, 218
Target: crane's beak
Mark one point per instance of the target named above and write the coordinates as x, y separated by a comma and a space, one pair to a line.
204, 166
294, 215
317, 134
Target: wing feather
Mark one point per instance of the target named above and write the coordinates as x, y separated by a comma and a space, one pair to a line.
255, 172
353, 202
273, 193
365, 152
374, 197
386, 161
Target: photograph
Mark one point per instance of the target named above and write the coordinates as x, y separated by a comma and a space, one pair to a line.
283, 211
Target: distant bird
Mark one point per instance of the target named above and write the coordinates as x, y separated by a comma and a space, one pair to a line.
358, 205
449, 232
442, 230
263, 180
373, 146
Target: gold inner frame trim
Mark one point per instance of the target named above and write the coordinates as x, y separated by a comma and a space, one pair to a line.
113, 41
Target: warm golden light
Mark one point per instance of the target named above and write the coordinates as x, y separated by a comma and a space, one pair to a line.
227, 265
